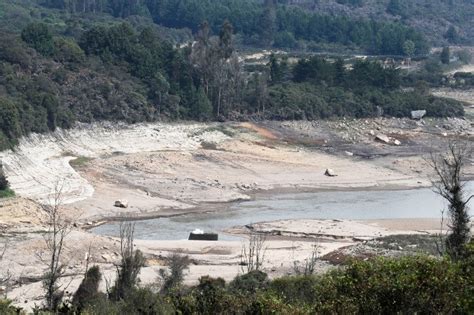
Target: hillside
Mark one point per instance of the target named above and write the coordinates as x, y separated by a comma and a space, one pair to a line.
433, 18
61, 63
255, 24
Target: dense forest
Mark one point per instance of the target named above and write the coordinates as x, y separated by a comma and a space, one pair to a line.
267, 25
147, 60
441, 21
120, 73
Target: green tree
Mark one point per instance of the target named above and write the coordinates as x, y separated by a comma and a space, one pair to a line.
225, 40
130, 265
173, 279
88, 290
339, 71
445, 55
203, 106
9, 119
38, 36
276, 71
452, 35
409, 48
268, 23
4, 184
449, 169
67, 50
394, 7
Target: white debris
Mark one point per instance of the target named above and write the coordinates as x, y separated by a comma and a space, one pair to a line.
329, 172
383, 138
121, 203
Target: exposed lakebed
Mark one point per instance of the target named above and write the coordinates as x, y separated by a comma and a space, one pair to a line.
350, 205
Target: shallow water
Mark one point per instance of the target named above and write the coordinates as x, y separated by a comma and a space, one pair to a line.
355, 205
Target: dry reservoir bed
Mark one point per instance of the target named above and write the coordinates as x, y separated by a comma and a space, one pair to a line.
173, 169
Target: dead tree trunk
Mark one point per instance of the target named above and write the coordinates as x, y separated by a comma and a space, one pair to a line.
58, 228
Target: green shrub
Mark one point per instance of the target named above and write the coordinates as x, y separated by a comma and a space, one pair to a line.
210, 294
404, 285
250, 283
266, 303
88, 290
173, 279
296, 289
6, 308
39, 37
3, 182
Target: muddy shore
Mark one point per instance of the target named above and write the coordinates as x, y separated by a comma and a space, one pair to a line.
170, 170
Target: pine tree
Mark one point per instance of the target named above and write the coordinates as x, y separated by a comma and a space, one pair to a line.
225, 40
203, 106
452, 35
394, 8
276, 73
268, 23
445, 55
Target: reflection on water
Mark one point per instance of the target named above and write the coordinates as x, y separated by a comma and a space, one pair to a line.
392, 204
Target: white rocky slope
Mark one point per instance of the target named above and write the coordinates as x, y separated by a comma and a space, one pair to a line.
36, 166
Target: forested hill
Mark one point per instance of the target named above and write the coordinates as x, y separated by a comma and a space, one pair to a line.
91, 60
303, 23
256, 23
441, 21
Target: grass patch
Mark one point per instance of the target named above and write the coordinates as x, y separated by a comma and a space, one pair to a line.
228, 131
7, 193
417, 243
80, 161
208, 145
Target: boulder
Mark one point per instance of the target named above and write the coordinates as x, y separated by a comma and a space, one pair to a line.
382, 138
329, 172
418, 114
121, 203
396, 142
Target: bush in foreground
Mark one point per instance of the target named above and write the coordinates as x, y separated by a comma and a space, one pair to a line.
408, 285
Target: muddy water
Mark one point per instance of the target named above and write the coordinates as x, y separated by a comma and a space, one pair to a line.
386, 204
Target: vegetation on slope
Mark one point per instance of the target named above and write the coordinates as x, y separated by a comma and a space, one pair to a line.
5, 190
441, 21
68, 61
256, 24
414, 284
120, 73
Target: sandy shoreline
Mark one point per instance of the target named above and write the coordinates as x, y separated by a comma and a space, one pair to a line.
175, 170
216, 207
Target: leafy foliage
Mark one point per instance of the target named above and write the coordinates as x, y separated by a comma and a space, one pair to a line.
267, 24
121, 72
174, 278
88, 290
4, 184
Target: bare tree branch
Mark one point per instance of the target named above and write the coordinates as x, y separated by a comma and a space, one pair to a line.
448, 168
58, 229
252, 257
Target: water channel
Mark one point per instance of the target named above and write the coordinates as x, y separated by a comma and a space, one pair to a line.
353, 205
